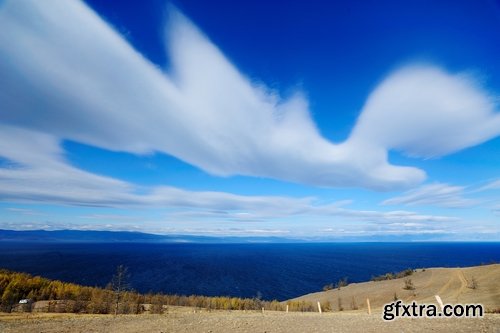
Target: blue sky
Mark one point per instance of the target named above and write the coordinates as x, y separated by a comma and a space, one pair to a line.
323, 120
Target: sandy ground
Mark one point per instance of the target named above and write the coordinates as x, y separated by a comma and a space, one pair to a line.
239, 321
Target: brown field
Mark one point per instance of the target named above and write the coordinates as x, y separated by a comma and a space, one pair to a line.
239, 321
452, 284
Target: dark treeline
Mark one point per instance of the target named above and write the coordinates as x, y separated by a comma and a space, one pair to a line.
70, 297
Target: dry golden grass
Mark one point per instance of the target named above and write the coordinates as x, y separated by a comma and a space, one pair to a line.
453, 285
177, 320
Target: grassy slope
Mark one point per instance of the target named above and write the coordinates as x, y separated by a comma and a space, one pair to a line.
451, 284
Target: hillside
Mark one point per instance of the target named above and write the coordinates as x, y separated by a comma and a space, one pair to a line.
453, 285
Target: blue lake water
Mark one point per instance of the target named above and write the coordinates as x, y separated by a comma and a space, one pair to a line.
277, 271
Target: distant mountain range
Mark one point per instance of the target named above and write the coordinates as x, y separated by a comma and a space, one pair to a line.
98, 236
93, 236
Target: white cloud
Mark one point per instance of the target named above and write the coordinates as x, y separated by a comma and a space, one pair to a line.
447, 196
493, 185
400, 231
24, 211
426, 112
42, 175
110, 217
442, 195
72, 77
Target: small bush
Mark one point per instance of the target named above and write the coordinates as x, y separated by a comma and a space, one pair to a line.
342, 283
391, 276
328, 287
326, 306
405, 273
472, 283
156, 304
409, 285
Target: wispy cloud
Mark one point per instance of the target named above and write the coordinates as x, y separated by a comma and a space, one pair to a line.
112, 217
492, 185
24, 211
102, 92
445, 195
46, 177
442, 195
426, 112
54, 225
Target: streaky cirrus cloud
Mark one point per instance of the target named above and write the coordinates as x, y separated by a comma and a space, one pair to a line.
73, 77
437, 194
41, 174
446, 195
492, 185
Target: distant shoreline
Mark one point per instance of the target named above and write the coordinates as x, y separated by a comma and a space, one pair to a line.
101, 236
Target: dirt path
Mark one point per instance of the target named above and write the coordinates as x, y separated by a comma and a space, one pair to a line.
457, 275
463, 281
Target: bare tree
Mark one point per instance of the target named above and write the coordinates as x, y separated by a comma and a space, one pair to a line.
120, 284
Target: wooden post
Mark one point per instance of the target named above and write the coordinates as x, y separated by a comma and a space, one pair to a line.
287, 308
369, 307
262, 310
319, 308
440, 302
